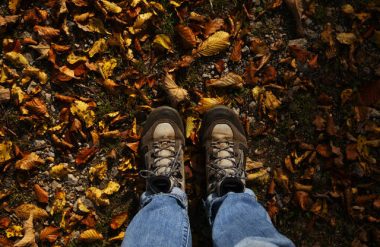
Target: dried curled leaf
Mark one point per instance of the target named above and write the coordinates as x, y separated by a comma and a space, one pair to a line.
60, 170
17, 58
176, 93
5, 151
29, 161
141, 19
5, 20
37, 106
187, 35
46, 32
41, 194
83, 111
213, 26
271, 102
206, 104
111, 7
90, 235
50, 234
25, 210
229, 80
32, 71
100, 196
118, 220
164, 41
99, 47
216, 43
346, 38
98, 171
29, 238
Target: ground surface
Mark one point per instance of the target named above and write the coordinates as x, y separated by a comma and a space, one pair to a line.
78, 78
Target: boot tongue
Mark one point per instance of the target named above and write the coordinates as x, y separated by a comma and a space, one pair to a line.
164, 158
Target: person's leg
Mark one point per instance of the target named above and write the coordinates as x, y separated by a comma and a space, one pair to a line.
163, 219
238, 219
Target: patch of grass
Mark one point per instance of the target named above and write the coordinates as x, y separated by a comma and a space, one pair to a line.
167, 25
109, 103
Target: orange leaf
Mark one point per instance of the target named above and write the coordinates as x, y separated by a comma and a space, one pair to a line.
303, 199
118, 220
213, 26
37, 106
46, 32
324, 150
41, 194
85, 154
49, 233
29, 161
4, 222
236, 51
187, 35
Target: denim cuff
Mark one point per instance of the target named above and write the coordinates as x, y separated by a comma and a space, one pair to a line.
213, 202
176, 193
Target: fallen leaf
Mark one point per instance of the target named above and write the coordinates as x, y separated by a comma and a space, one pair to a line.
46, 32
98, 171
41, 194
319, 122
106, 67
164, 41
271, 102
216, 43
60, 170
330, 126
90, 236
118, 237
25, 210
324, 150
141, 19
73, 59
37, 73
348, 9
59, 202
17, 58
346, 38
49, 233
206, 104
29, 238
303, 200
99, 46
236, 51
5, 151
213, 26
4, 222
37, 106
346, 95
187, 35
99, 197
229, 80
85, 154
176, 93
13, 5
14, 231
5, 20
83, 111
29, 161
118, 220
351, 152
94, 25
111, 7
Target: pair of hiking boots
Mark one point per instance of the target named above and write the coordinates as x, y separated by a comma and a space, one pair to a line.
222, 138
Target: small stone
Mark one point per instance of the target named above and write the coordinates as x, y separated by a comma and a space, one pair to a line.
72, 180
206, 76
79, 188
39, 143
55, 185
298, 42
245, 49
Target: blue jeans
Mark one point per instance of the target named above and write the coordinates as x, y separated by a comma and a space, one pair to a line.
237, 219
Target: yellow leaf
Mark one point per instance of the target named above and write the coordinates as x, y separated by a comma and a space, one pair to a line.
206, 104
106, 67
135, 2
111, 188
94, 25
18, 94
82, 206
262, 175
90, 235
99, 47
17, 58
13, 5
189, 126
60, 170
59, 202
5, 151
14, 231
82, 111
72, 58
229, 80
23, 211
157, 6
346, 38
111, 7
98, 171
36, 72
118, 237
164, 41
175, 92
125, 165
141, 19
29, 161
348, 9
216, 43
271, 102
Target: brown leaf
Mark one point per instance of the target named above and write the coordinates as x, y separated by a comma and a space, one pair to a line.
346, 95
29, 161
175, 92
4, 222
229, 80
25, 210
46, 32
269, 74
213, 26
187, 35
118, 220
50, 234
5, 20
90, 235
330, 128
303, 200
319, 122
85, 154
236, 51
351, 151
37, 106
41, 194
324, 150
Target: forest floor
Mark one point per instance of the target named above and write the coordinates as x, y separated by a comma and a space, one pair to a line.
79, 77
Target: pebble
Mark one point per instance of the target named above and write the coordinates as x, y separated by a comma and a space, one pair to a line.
72, 180
55, 185
206, 76
51, 154
298, 42
39, 143
79, 188
245, 49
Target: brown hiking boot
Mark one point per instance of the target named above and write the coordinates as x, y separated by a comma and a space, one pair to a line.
225, 144
161, 149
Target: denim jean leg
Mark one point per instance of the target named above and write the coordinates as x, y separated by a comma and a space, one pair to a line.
162, 221
238, 219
